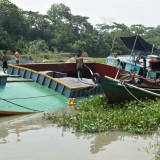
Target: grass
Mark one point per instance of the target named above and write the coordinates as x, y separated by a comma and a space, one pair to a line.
52, 58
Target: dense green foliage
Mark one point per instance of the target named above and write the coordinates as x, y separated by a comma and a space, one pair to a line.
96, 115
61, 31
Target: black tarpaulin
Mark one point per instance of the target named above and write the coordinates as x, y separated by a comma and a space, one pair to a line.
137, 43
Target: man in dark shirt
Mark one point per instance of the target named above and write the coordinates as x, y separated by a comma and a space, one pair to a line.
79, 63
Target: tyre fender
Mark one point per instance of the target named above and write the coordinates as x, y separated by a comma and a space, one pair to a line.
96, 78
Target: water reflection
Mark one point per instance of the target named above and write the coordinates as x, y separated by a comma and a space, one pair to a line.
101, 140
16, 130
19, 124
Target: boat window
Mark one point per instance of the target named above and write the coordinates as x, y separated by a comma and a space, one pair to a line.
151, 75
131, 67
112, 62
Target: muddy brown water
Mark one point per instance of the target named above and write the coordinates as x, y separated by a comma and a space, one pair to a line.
30, 137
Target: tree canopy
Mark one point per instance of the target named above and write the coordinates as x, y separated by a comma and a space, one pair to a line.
59, 30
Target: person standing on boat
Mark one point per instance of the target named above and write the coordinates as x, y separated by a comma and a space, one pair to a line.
79, 65
17, 56
5, 61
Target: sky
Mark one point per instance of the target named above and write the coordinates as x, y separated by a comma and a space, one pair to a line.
128, 12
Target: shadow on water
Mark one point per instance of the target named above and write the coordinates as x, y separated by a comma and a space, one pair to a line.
34, 132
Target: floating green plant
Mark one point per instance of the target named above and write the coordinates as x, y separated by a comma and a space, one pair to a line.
96, 115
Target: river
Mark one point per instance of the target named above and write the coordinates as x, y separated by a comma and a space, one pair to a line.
30, 137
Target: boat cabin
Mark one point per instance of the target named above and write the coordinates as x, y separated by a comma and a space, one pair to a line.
152, 66
125, 64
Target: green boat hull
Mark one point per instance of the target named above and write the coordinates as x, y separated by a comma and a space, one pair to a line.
117, 92
29, 97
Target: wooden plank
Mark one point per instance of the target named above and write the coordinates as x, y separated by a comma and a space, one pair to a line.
14, 76
13, 113
20, 80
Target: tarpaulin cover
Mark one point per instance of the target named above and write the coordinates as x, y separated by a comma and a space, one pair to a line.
137, 43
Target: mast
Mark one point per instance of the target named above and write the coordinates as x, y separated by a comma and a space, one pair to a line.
152, 49
133, 46
113, 42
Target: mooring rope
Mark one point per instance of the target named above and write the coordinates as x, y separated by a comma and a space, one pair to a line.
89, 69
144, 90
134, 96
21, 105
31, 97
83, 81
95, 85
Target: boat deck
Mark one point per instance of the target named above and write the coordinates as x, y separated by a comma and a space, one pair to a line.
21, 96
28, 97
29, 91
69, 87
75, 82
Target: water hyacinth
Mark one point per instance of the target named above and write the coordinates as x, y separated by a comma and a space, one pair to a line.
96, 115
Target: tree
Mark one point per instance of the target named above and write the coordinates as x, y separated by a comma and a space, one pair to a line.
37, 46
59, 12
12, 19
6, 41
68, 31
37, 25
138, 29
12, 24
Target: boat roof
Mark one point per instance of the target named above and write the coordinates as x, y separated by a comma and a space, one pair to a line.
137, 43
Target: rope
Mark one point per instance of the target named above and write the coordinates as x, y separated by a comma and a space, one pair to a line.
144, 90
21, 105
134, 96
89, 69
86, 82
83, 81
117, 72
30, 97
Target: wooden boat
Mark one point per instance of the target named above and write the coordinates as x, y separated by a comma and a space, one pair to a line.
123, 85
31, 88
141, 80
119, 90
139, 63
